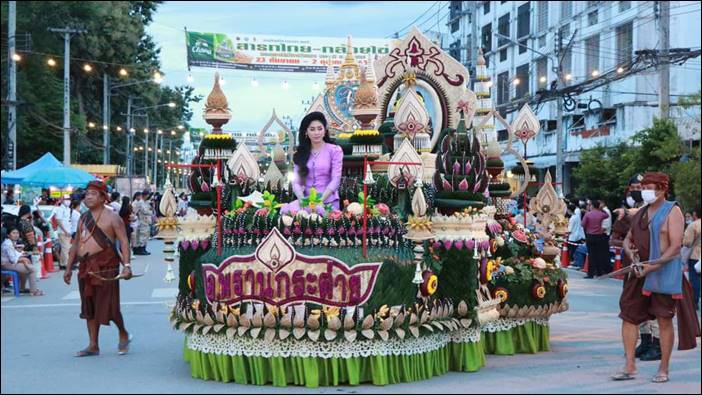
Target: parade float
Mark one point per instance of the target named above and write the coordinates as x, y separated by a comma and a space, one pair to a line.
419, 274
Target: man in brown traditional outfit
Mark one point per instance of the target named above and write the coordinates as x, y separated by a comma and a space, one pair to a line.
659, 289
94, 247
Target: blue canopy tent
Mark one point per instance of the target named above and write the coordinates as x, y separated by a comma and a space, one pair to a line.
59, 177
48, 161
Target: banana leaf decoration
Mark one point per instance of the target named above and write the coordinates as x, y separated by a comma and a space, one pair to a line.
369, 203
313, 200
270, 203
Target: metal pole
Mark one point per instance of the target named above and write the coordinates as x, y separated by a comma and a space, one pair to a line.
66, 99
155, 169
12, 86
664, 75
106, 118
146, 150
67, 32
130, 144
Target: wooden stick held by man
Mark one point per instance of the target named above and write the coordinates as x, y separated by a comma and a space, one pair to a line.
94, 247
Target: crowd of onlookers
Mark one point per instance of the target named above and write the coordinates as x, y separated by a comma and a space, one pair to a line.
23, 234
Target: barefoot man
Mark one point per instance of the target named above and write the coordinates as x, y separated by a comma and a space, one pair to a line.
94, 247
659, 290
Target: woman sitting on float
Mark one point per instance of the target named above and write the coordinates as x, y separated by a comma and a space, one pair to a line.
317, 168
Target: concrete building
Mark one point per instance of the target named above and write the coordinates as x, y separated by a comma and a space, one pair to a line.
519, 39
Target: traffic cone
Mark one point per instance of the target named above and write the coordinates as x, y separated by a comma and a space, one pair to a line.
565, 256
40, 246
586, 266
49, 255
618, 261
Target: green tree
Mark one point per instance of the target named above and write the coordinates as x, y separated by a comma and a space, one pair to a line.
657, 146
686, 180
116, 39
604, 172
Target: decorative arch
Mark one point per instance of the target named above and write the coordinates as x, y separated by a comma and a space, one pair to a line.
509, 149
446, 77
275, 120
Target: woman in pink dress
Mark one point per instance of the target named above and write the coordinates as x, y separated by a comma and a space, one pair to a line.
317, 164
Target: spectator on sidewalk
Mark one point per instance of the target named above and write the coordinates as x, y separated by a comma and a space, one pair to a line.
692, 241
114, 202
75, 216
62, 218
14, 260
576, 234
597, 240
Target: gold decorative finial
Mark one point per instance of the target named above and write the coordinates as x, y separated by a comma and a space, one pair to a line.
481, 58
349, 70
216, 101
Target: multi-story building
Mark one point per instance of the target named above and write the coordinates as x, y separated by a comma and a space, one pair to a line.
520, 40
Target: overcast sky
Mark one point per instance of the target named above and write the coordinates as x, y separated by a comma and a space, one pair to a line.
251, 107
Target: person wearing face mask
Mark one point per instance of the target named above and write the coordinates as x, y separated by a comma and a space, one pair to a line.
317, 164
658, 290
62, 216
649, 349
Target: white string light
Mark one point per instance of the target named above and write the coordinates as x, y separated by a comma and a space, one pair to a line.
87, 68
254, 82
286, 85
51, 62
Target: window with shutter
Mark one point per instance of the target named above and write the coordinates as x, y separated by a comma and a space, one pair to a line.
523, 20
542, 23
592, 54
503, 29
523, 77
624, 36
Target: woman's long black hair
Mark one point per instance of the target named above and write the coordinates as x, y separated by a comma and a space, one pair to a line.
305, 144
126, 208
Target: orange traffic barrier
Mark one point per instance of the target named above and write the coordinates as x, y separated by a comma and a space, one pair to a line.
40, 240
49, 255
586, 267
565, 256
617, 261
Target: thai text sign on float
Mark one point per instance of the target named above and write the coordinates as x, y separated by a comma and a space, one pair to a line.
276, 274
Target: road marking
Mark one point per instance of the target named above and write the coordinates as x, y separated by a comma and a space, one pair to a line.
30, 306
73, 295
164, 293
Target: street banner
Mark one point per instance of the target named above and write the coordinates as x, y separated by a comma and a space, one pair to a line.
277, 53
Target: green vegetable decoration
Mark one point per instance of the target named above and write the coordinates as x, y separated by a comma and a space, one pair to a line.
313, 201
369, 203
270, 204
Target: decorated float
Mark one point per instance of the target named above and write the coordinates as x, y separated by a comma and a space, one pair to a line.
419, 273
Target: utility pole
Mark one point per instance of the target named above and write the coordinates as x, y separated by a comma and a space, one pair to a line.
559, 111
106, 118
67, 32
475, 40
130, 137
146, 149
664, 73
12, 86
560, 132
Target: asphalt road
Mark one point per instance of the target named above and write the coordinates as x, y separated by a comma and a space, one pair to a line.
40, 335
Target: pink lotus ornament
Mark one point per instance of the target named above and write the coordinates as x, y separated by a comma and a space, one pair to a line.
463, 185
383, 209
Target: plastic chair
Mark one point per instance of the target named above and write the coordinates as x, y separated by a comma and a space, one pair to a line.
15, 280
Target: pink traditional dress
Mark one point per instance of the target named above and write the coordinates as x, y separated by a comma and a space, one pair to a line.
324, 175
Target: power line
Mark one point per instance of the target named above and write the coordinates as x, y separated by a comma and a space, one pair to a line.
643, 61
397, 32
